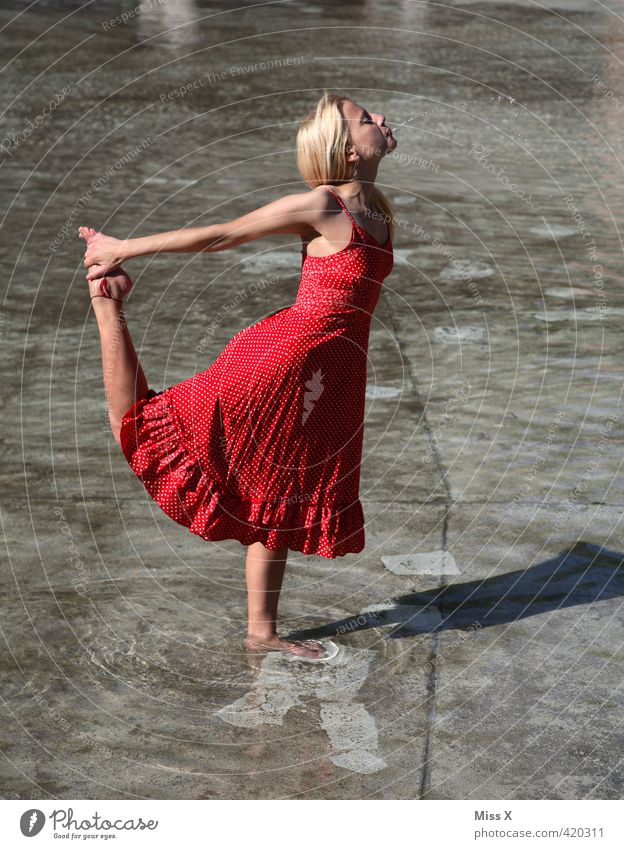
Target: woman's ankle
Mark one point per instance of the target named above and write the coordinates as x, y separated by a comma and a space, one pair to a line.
260, 634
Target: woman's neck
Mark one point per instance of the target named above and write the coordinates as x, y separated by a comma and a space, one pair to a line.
358, 193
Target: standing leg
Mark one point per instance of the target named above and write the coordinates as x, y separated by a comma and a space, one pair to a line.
264, 571
124, 380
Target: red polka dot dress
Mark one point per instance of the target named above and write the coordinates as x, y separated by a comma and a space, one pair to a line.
266, 444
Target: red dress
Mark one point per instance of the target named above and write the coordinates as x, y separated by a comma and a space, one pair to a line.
266, 444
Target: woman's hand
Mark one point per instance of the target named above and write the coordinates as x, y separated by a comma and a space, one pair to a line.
103, 252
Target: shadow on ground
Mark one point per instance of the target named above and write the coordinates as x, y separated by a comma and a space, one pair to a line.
580, 575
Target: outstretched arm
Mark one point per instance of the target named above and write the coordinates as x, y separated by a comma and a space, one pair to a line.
290, 214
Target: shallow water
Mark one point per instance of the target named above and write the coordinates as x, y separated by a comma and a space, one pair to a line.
494, 417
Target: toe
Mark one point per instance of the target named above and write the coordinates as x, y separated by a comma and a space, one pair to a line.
86, 233
309, 649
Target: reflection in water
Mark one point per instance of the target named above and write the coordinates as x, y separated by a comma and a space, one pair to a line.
493, 109
283, 682
167, 23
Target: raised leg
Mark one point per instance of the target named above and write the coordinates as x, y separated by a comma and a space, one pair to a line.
264, 571
124, 380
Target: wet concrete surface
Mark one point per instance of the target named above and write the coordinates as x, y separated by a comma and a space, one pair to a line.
479, 634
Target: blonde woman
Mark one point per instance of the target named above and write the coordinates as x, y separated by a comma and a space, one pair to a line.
265, 445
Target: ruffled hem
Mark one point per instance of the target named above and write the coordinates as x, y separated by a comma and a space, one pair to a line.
194, 496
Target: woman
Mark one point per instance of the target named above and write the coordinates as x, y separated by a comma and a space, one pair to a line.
265, 445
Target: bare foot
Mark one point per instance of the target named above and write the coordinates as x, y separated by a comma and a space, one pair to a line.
275, 643
86, 233
116, 284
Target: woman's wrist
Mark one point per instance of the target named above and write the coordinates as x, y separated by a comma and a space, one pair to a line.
129, 249
156, 243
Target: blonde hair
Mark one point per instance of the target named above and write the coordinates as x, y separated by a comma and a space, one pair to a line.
322, 140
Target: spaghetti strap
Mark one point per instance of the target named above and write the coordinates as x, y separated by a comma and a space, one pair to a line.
342, 204
358, 227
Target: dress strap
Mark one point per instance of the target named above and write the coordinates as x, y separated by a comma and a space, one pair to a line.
358, 227
342, 204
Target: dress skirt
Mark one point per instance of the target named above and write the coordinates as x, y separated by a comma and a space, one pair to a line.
265, 445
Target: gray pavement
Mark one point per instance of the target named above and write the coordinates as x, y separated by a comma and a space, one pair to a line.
479, 637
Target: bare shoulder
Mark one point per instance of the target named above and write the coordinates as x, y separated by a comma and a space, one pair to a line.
322, 199
325, 194
326, 200
307, 209
300, 204
318, 198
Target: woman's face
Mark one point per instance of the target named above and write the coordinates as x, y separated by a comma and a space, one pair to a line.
368, 131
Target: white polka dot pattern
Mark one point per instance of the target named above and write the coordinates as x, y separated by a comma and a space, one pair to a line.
266, 444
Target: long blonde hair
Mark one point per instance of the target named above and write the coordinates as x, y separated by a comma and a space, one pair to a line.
322, 140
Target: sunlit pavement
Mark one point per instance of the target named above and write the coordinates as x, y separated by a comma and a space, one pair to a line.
476, 642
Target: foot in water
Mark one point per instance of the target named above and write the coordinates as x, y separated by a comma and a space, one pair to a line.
275, 643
